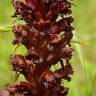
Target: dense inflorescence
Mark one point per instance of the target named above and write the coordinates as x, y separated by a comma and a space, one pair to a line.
47, 40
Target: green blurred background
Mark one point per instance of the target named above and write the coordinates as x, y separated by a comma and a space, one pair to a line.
84, 44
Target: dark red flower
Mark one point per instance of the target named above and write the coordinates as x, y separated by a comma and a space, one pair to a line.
45, 47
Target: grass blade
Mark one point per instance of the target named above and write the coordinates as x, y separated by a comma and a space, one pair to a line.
81, 58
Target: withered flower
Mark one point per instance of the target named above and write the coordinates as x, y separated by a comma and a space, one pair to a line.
46, 47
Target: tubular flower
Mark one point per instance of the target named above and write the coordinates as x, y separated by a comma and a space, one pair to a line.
46, 47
